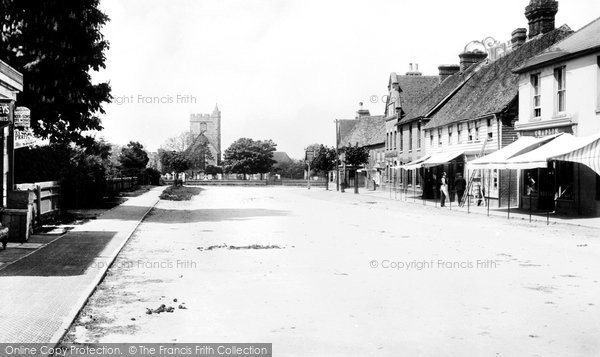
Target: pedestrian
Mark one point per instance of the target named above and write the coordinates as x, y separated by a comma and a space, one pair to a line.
444, 189
459, 186
530, 184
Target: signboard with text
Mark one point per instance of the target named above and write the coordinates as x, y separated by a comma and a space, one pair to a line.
4, 112
25, 138
22, 117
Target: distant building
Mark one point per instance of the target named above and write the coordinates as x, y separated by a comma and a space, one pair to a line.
365, 131
207, 127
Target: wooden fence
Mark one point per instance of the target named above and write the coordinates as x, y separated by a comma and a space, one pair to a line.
119, 184
46, 198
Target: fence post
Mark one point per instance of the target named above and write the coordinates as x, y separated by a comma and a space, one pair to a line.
38, 202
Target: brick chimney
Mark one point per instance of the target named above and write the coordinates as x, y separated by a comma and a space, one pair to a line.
467, 59
446, 70
540, 14
518, 37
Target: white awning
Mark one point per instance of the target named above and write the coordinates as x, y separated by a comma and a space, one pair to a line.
441, 158
415, 164
560, 147
588, 154
498, 159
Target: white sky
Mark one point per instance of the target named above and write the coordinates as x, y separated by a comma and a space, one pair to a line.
281, 69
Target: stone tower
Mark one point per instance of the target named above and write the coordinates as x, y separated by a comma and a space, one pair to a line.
209, 125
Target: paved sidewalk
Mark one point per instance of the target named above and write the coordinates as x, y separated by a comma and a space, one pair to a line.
409, 199
42, 293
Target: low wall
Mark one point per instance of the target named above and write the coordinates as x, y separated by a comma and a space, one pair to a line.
295, 183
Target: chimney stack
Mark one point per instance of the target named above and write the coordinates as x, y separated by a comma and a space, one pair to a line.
540, 14
518, 37
362, 112
467, 59
415, 72
446, 70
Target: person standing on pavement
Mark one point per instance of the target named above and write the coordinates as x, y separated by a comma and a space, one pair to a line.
444, 189
459, 186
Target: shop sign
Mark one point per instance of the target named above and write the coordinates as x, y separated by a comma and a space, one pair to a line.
22, 117
25, 138
4, 112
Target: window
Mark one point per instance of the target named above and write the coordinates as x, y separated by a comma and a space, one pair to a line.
431, 138
440, 136
418, 135
470, 130
450, 135
476, 124
410, 136
458, 132
535, 87
490, 129
395, 138
561, 89
401, 140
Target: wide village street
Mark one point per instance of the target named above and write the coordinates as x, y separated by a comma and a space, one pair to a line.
321, 273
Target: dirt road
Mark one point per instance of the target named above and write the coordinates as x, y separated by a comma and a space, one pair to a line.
324, 274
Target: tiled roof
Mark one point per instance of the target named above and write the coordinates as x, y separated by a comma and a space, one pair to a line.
585, 40
365, 131
414, 89
493, 86
429, 101
281, 157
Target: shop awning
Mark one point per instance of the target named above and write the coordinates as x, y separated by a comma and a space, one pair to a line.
562, 146
415, 164
497, 159
588, 154
441, 158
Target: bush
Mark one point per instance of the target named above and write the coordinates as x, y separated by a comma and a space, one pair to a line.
150, 176
179, 193
81, 172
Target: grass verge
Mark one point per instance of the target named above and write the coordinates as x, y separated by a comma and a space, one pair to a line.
179, 193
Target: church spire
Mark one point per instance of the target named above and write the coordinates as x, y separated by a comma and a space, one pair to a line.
216, 111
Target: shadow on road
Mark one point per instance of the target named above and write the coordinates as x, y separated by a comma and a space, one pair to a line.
160, 215
67, 256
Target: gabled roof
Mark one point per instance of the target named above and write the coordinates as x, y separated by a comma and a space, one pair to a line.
493, 86
366, 131
281, 157
414, 89
586, 40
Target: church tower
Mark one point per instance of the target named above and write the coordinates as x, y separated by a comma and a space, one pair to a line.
209, 125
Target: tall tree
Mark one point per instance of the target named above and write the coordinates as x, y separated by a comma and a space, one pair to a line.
247, 156
356, 156
324, 161
55, 44
133, 159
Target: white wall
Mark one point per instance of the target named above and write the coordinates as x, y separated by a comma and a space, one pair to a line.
582, 103
465, 145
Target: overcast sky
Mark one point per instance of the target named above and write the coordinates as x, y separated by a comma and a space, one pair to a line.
279, 69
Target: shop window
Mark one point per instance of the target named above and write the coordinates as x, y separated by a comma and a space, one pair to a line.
536, 95
561, 89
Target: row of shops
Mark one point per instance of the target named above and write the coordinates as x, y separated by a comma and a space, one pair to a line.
516, 124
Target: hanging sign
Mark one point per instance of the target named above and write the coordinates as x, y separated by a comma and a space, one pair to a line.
22, 117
